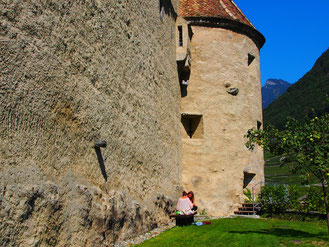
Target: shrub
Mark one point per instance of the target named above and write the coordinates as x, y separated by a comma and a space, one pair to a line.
293, 198
314, 200
274, 199
278, 199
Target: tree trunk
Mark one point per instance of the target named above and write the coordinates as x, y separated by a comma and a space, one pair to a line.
325, 201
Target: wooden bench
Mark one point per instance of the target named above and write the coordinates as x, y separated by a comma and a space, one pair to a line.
182, 219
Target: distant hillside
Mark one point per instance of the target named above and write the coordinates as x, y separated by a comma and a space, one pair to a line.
272, 89
299, 99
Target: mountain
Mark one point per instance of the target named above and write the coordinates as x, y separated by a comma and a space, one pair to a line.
306, 97
272, 89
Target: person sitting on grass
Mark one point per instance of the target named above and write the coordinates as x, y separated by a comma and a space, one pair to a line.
190, 195
184, 204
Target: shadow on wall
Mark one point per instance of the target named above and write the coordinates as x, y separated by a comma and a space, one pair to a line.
101, 162
183, 76
166, 7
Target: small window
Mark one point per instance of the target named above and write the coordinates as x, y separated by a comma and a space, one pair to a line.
259, 124
193, 126
180, 35
250, 58
247, 178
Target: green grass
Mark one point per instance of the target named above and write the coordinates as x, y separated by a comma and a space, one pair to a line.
277, 174
244, 232
268, 155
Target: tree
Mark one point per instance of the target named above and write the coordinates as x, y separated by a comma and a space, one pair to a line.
307, 143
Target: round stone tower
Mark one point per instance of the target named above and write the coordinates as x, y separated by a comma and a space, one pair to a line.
221, 100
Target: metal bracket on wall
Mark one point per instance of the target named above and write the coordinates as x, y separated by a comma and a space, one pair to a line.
100, 144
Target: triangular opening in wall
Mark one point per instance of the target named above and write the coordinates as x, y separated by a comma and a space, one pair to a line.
193, 126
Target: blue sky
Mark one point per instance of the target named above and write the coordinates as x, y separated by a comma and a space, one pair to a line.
296, 32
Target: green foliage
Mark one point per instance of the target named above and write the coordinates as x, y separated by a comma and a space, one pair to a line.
273, 199
278, 199
268, 156
293, 197
314, 201
247, 193
298, 216
305, 143
276, 173
302, 97
203, 212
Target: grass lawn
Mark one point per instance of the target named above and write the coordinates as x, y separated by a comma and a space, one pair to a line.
244, 232
274, 174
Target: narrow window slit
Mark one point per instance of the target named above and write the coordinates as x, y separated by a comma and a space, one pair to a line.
180, 35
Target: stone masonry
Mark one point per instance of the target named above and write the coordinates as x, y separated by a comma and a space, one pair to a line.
109, 109
76, 72
215, 160
220, 101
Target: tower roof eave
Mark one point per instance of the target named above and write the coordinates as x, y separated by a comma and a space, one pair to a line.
220, 13
233, 25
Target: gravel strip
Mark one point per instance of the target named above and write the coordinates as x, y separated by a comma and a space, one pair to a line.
141, 238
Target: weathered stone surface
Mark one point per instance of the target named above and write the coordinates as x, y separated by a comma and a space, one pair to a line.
73, 72
214, 162
38, 212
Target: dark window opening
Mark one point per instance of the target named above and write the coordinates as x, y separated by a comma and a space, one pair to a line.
184, 76
250, 58
248, 177
193, 126
180, 35
259, 124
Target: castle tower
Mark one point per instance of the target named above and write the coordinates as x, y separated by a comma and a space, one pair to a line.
221, 100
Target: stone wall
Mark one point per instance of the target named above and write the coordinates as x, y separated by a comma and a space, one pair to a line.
215, 159
73, 72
